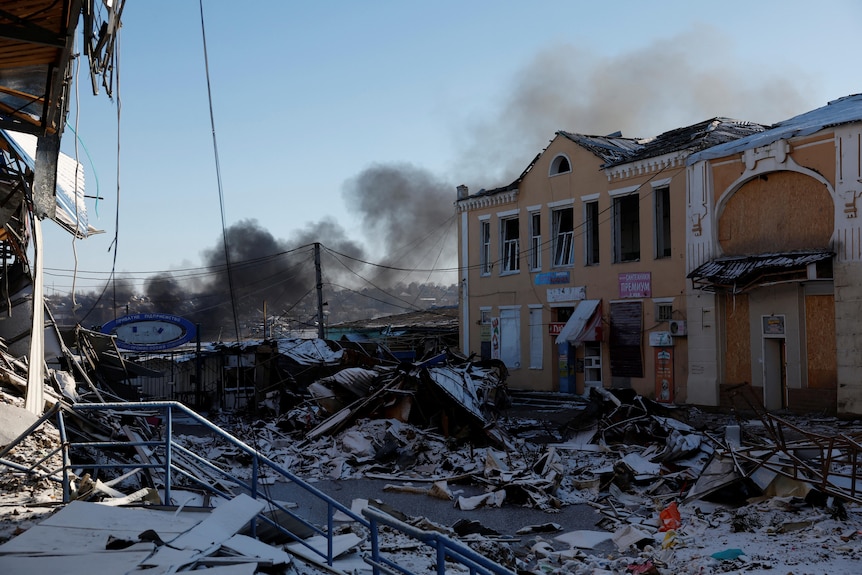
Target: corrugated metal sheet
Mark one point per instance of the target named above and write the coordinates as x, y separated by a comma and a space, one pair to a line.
693, 138
736, 273
72, 210
611, 149
841, 111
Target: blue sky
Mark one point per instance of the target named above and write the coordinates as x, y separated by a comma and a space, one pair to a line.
314, 101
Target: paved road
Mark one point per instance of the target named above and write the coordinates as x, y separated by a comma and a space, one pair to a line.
505, 520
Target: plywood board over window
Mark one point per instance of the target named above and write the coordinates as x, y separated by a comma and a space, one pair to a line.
777, 212
626, 339
737, 351
820, 341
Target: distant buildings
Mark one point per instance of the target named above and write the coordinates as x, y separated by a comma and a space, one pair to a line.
608, 262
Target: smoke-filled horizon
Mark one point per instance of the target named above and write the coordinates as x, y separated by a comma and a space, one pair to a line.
406, 212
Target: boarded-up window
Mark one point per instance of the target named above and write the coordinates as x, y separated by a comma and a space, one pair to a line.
510, 337
625, 339
537, 336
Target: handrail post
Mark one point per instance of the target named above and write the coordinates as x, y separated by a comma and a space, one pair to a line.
64, 451
330, 549
168, 440
375, 545
441, 559
255, 472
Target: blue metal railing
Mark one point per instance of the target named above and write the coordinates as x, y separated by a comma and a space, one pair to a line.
446, 548
370, 519
170, 469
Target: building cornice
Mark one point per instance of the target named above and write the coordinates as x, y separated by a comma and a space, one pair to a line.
646, 166
489, 201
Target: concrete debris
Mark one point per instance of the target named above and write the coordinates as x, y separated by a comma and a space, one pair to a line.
671, 488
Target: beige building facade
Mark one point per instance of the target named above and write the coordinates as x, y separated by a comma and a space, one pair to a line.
574, 274
774, 242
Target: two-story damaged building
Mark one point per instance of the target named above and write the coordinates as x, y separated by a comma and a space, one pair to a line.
775, 264
574, 274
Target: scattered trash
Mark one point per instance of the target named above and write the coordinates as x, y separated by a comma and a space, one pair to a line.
660, 487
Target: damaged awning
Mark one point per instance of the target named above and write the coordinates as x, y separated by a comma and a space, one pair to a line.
71, 211
740, 273
584, 323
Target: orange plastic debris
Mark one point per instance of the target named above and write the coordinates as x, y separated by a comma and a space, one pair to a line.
670, 518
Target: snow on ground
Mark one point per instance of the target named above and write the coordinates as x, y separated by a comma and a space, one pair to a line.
765, 536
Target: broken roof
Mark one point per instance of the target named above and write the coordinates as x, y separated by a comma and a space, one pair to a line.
737, 273
71, 211
611, 149
433, 318
693, 138
37, 40
615, 150
837, 112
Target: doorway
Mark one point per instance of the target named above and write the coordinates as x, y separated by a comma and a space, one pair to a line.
774, 373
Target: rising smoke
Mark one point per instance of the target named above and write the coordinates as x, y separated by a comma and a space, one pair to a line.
407, 213
665, 85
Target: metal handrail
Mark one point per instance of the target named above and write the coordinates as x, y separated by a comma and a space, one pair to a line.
370, 518
169, 468
446, 548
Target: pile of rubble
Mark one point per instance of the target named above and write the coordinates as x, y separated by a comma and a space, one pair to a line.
673, 489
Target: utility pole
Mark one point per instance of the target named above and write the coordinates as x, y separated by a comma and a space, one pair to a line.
321, 330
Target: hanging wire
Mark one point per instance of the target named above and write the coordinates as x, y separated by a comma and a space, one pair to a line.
117, 210
220, 189
77, 167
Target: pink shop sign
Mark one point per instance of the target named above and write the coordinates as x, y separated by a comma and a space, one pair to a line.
635, 284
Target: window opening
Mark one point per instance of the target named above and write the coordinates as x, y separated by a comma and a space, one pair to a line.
564, 231
626, 218
511, 245
662, 222
485, 255
663, 311
535, 241
591, 233
560, 165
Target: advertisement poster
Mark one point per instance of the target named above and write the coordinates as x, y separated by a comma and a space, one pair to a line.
495, 338
664, 374
635, 284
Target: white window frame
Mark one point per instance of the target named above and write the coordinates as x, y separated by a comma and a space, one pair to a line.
564, 242
661, 222
537, 336
510, 336
617, 223
662, 303
592, 255
535, 240
485, 263
510, 247
554, 166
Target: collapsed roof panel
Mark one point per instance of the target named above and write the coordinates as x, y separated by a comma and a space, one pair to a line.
837, 112
310, 351
736, 274
71, 213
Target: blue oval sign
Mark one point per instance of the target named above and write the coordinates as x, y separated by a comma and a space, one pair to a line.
150, 331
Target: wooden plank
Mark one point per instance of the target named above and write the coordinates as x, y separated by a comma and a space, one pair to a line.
820, 341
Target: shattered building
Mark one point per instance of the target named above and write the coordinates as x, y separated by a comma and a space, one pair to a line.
774, 261
574, 274
37, 182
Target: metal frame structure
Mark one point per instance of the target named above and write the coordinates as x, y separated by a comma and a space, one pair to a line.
165, 458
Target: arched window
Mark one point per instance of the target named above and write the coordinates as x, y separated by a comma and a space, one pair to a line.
560, 165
